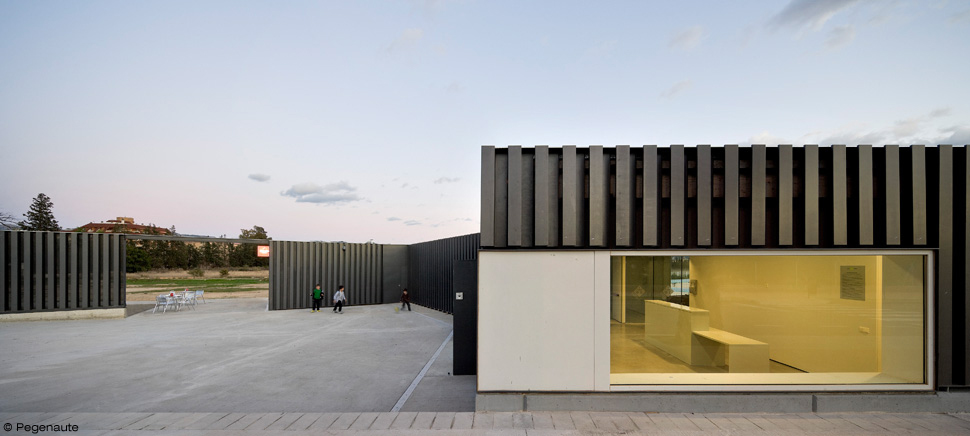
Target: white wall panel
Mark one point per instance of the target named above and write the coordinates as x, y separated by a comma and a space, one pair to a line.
536, 321
601, 321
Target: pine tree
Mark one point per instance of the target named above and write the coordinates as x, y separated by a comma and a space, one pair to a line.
40, 217
7, 221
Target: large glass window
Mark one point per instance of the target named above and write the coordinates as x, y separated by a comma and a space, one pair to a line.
768, 320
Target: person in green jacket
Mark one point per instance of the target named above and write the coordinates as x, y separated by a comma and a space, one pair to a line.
317, 298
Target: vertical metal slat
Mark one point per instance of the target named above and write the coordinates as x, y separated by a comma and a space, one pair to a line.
123, 265
786, 195
15, 259
625, 196
919, 195
36, 271
705, 172
811, 196
840, 192
759, 191
965, 179
501, 200
865, 196
515, 196
85, 276
117, 265
105, 259
678, 196
546, 198
73, 284
488, 196
49, 271
599, 193
7, 289
573, 197
61, 270
945, 315
273, 299
893, 194
651, 196
732, 180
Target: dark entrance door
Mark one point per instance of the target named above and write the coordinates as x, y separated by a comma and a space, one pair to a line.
465, 286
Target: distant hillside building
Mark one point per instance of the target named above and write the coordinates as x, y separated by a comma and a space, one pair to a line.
122, 224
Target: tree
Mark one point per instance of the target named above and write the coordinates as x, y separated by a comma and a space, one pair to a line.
40, 217
245, 254
256, 233
7, 221
216, 254
137, 258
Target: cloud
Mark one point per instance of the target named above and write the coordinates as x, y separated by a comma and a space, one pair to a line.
766, 138
960, 17
393, 218
840, 36
958, 135
454, 88
855, 138
602, 48
447, 222
428, 7
259, 177
812, 14
884, 11
334, 193
412, 223
908, 127
687, 38
408, 39
678, 87
914, 130
441, 180
747, 35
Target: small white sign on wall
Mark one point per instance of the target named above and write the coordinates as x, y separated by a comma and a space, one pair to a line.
459, 295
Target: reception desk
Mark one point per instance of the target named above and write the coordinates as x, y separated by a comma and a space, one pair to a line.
685, 333
669, 326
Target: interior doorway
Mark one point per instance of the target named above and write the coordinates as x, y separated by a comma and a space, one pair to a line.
636, 279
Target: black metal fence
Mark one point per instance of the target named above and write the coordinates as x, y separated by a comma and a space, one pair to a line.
430, 269
55, 271
295, 267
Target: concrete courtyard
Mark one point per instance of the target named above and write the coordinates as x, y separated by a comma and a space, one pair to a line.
233, 356
232, 367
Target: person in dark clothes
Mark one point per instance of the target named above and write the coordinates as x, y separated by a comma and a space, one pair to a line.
405, 299
317, 298
338, 300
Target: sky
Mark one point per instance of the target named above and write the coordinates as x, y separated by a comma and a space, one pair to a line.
364, 121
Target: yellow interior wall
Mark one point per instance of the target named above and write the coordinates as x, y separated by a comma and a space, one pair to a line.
793, 304
903, 307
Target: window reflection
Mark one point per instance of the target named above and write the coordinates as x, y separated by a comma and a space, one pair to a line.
767, 319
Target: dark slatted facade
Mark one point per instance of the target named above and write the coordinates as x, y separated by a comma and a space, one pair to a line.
56, 271
430, 269
295, 267
731, 197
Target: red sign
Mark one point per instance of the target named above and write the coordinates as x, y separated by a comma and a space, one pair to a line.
262, 251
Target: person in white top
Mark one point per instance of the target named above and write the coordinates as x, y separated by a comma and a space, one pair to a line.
338, 300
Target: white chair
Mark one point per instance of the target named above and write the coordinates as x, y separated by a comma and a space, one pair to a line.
188, 298
174, 301
161, 301
199, 295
